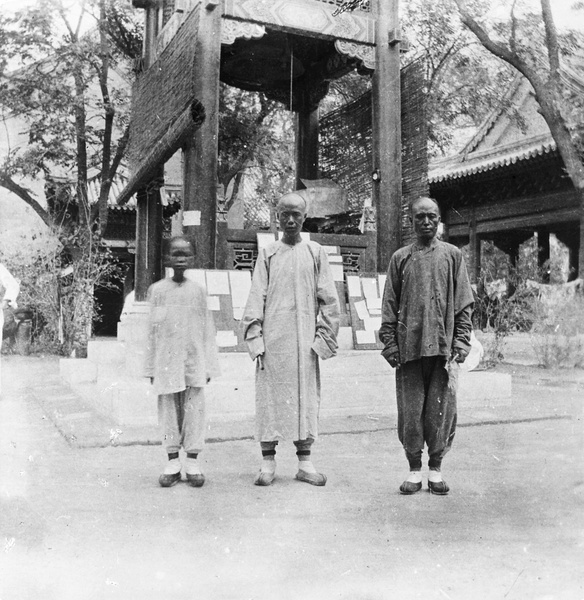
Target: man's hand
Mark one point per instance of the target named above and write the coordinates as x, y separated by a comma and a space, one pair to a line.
459, 355
391, 356
260, 359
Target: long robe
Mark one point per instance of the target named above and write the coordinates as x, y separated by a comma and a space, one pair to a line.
182, 350
292, 317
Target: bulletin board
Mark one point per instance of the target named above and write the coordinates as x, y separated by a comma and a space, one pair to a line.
227, 293
365, 294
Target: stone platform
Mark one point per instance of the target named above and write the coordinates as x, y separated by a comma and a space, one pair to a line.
353, 383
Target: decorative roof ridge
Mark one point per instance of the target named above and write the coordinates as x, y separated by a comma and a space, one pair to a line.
489, 122
454, 168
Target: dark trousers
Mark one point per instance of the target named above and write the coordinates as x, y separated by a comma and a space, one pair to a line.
426, 409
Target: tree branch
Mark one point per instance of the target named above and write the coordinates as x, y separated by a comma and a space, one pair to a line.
495, 48
551, 35
8, 183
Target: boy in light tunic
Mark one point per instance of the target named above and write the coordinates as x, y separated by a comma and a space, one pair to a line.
181, 359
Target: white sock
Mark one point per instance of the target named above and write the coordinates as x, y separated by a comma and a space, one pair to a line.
268, 465
192, 466
306, 466
415, 477
172, 467
434, 476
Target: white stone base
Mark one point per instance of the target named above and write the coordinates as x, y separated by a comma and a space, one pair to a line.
353, 383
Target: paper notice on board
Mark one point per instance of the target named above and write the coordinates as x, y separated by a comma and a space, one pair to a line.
374, 304
361, 309
370, 287
226, 339
335, 258
264, 239
331, 250
238, 312
337, 271
354, 286
381, 279
240, 286
366, 336
191, 217
197, 275
217, 283
372, 323
213, 303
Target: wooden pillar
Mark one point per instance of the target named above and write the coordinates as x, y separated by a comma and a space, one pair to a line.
200, 153
148, 263
387, 132
306, 144
573, 261
474, 251
147, 266
543, 253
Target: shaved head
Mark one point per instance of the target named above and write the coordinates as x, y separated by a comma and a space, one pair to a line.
424, 199
292, 198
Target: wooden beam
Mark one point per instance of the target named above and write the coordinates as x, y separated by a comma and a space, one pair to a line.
306, 142
200, 152
307, 17
474, 259
148, 238
387, 134
183, 128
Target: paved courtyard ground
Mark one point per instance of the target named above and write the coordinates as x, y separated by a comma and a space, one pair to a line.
90, 523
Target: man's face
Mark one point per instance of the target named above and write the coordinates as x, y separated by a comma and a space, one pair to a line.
180, 255
426, 218
291, 215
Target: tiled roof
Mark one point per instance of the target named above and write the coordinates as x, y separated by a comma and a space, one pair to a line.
461, 166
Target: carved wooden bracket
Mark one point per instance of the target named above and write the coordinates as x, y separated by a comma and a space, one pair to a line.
232, 30
363, 52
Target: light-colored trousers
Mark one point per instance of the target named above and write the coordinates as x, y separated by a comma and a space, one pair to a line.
183, 420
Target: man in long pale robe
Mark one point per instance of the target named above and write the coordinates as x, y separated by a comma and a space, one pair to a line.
426, 327
181, 359
290, 321
9, 288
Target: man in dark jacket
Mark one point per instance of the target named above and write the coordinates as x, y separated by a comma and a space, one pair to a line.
426, 327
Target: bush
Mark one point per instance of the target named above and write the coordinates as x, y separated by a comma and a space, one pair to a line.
59, 272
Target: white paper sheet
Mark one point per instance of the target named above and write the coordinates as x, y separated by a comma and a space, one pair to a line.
335, 258
354, 286
337, 271
191, 217
217, 283
369, 287
264, 239
238, 312
213, 303
366, 336
240, 286
226, 339
331, 250
372, 323
373, 304
197, 275
381, 279
361, 308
